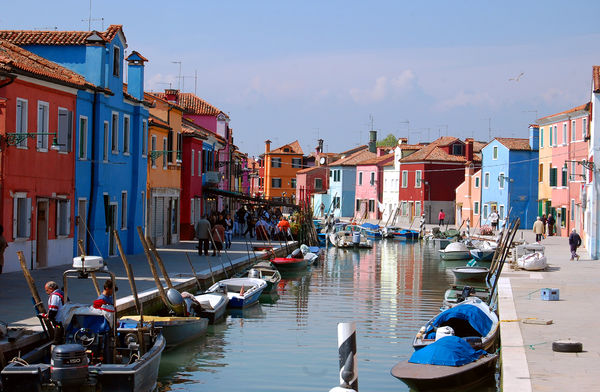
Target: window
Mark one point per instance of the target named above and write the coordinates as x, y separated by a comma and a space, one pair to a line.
404, 208
126, 134
553, 176
555, 136
83, 135
21, 216
115, 133
116, 61
404, 178
153, 148
164, 155
563, 217
65, 130
336, 175
144, 138
458, 149
372, 182
105, 152
584, 129
541, 173
573, 131
563, 178
572, 209
357, 204
275, 162
476, 208
318, 183
501, 181
296, 163
418, 179
21, 120
485, 211
63, 217
192, 165
564, 135
43, 127
550, 133
486, 180
417, 208
336, 202
476, 182
293, 183
179, 143
123, 210
360, 178
371, 205
276, 182
541, 137
199, 163
573, 171
501, 212
495, 153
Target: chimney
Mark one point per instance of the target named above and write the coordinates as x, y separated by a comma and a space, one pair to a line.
373, 141
267, 146
402, 140
320, 147
95, 59
534, 137
172, 95
469, 149
135, 75
381, 151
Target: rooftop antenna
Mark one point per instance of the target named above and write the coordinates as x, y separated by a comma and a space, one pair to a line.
489, 127
90, 19
407, 129
169, 83
179, 77
445, 126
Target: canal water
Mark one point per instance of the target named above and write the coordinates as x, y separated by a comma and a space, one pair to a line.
289, 341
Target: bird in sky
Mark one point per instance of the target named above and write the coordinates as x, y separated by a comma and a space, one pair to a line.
517, 78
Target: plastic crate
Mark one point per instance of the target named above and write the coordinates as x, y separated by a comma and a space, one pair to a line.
550, 294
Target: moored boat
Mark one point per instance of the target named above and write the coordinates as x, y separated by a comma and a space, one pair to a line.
289, 263
242, 292
371, 230
457, 294
455, 251
211, 305
482, 254
477, 274
175, 330
268, 272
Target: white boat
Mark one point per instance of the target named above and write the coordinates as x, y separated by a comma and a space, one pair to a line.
533, 262
455, 251
346, 238
210, 305
242, 292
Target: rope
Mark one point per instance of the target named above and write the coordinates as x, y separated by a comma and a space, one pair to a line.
530, 346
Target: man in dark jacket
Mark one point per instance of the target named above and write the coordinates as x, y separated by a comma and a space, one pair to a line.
574, 243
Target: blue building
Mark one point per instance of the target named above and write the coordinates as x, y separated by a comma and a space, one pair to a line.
509, 179
111, 133
342, 182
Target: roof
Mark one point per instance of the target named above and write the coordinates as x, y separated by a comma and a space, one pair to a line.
309, 169
410, 146
433, 152
150, 96
21, 61
153, 120
353, 159
54, 37
514, 143
378, 160
193, 104
294, 146
596, 78
478, 146
547, 119
353, 150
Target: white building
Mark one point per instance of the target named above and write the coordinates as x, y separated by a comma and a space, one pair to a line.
591, 198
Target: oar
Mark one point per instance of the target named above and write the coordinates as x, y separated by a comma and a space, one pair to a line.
194, 271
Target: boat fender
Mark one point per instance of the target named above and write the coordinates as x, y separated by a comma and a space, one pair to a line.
567, 346
242, 290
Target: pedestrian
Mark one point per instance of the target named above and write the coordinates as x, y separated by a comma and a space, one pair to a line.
538, 229
228, 231
250, 222
322, 208
56, 300
494, 219
441, 217
284, 227
241, 218
202, 233
551, 221
3, 246
105, 300
574, 243
218, 234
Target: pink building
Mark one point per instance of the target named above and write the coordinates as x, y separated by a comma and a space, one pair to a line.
310, 181
369, 185
468, 198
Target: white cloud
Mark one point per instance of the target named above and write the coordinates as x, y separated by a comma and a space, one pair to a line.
384, 88
463, 98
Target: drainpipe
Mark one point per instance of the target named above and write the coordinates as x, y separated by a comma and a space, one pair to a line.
93, 163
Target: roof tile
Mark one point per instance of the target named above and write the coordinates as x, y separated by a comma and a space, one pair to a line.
54, 37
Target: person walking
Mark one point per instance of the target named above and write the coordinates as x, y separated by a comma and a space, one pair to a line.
56, 299
494, 219
228, 231
218, 233
241, 219
3, 246
441, 217
574, 243
551, 221
538, 229
202, 233
250, 222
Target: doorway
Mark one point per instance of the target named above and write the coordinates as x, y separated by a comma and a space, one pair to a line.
112, 226
41, 254
82, 222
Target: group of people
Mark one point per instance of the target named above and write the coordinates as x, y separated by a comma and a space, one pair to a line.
545, 225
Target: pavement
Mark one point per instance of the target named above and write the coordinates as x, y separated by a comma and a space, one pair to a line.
16, 304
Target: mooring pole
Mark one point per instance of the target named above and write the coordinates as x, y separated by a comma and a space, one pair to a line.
347, 356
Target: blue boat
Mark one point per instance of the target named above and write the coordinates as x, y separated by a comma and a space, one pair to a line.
483, 254
371, 230
242, 292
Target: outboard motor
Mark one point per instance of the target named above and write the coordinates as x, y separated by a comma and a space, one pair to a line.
176, 302
254, 274
466, 293
69, 365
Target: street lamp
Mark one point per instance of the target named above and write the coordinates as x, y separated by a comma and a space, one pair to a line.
16, 138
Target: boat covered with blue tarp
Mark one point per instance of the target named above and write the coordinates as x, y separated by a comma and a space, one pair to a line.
447, 351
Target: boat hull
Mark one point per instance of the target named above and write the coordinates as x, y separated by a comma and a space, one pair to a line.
175, 330
287, 264
483, 254
242, 292
475, 274
454, 255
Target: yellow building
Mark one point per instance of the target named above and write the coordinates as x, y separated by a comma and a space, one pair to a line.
164, 171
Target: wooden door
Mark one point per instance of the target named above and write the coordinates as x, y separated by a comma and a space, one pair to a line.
41, 253
113, 225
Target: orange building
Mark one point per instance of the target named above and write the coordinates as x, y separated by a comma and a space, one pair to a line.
164, 171
281, 166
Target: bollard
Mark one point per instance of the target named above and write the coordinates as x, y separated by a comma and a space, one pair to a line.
347, 356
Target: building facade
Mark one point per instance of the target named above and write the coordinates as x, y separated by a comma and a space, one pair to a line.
369, 186
281, 166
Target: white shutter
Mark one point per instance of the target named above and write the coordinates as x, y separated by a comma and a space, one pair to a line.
28, 215
15, 216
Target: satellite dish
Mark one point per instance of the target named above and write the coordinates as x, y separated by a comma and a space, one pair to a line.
322, 160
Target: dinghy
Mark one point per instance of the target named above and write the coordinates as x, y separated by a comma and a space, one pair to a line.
268, 272
242, 292
477, 274
455, 251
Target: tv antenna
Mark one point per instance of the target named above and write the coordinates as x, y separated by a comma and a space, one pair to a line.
90, 19
179, 77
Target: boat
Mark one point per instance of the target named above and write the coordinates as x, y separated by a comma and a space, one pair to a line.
242, 292
175, 330
457, 294
371, 230
471, 320
449, 363
268, 272
470, 273
211, 305
482, 254
345, 237
311, 253
533, 262
262, 248
289, 263
94, 353
455, 251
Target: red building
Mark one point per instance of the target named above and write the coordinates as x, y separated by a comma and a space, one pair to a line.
37, 107
430, 176
310, 181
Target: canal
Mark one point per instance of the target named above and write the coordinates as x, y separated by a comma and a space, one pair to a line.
289, 341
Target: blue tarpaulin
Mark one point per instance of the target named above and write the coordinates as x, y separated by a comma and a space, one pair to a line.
471, 313
448, 351
369, 226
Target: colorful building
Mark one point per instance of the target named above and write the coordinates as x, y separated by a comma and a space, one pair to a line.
562, 176
281, 166
369, 185
509, 175
590, 199
468, 199
310, 182
37, 157
111, 133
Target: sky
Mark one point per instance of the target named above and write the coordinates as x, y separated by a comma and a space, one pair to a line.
291, 70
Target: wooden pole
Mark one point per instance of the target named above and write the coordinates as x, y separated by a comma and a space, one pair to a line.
194, 271
130, 277
210, 268
39, 305
159, 286
159, 262
92, 274
224, 267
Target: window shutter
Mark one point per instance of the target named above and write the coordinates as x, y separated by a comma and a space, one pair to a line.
15, 212
28, 215
68, 218
69, 131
